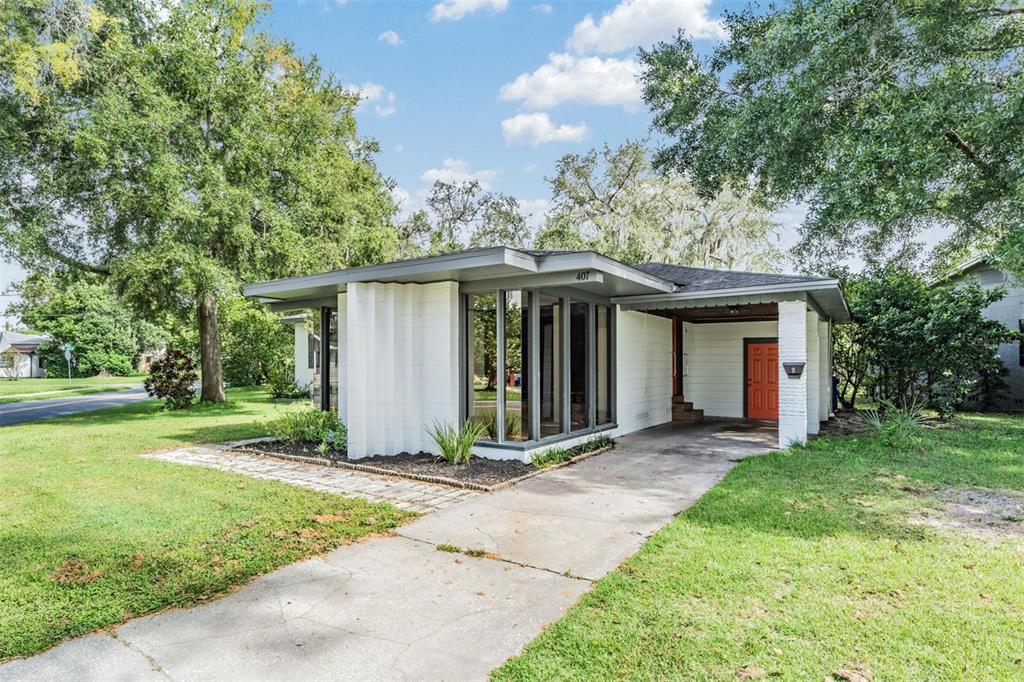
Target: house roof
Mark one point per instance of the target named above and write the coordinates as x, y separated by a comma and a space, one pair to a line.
706, 279
507, 268
21, 342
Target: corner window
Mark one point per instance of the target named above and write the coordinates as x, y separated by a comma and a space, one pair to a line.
537, 365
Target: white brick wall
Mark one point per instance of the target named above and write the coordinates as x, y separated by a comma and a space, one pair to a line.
813, 371
825, 352
402, 364
714, 364
643, 370
792, 392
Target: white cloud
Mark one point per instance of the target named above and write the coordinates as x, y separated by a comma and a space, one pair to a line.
529, 168
381, 99
399, 148
537, 129
583, 80
636, 22
543, 8
534, 209
389, 37
457, 170
454, 10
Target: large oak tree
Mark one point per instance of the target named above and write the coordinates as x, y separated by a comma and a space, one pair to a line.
888, 117
179, 152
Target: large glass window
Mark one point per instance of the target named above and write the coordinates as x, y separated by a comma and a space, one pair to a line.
482, 362
550, 365
603, 364
579, 366
517, 354
537, 365
330, 316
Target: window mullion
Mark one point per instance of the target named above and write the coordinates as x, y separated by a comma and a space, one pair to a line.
591, 366
566, 373
499, 336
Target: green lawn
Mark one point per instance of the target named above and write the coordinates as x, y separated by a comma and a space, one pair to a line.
45, 389
92, 534
806, 560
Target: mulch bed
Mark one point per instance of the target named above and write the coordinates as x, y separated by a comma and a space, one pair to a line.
479, 474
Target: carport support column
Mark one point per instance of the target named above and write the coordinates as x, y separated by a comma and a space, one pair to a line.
792, 392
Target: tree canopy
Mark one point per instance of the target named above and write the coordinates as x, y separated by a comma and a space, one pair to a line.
887, 117
612, 201
461, 214
178, 151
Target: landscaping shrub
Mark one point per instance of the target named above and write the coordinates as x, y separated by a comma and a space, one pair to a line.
456, 443
896, 424
559, 455
311, 426
281, 383
172, 377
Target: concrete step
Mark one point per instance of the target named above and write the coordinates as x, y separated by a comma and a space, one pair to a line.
681, 415
680, 400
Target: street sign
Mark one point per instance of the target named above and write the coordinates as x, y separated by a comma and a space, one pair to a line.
68, 347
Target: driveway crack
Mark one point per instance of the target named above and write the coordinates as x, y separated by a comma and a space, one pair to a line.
157, 668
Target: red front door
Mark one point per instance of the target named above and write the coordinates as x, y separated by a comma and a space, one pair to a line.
763, 380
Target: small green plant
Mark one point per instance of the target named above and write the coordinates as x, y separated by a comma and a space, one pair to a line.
172, 377
282, 386
451, 549
456, 443
554, 456
489, 420
896, 423
475, 553
311, 426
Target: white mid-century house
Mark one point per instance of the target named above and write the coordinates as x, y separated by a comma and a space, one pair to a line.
553, 346
1010, 311
19, 355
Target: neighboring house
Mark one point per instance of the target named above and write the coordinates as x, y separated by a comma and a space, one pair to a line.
553, 346
19, 355
1010, 311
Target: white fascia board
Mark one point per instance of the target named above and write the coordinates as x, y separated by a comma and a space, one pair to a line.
588, 260
732, 291
408, 268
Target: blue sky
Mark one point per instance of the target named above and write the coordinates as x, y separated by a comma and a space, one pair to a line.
495, 90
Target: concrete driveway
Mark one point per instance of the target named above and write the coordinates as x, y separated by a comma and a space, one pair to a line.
397, 608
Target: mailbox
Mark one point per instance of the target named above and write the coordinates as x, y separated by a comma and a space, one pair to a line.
793, 369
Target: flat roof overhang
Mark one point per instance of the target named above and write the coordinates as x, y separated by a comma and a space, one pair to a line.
502, 266
825, 295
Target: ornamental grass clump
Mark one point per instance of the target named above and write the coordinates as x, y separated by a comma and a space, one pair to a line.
896, 423
455, 443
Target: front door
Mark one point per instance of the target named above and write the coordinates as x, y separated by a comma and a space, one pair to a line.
762, 380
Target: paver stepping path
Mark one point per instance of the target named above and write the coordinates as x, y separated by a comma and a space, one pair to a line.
404, 494
396, 608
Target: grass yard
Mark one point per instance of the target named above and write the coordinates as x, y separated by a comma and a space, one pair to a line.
807, 561
45, 389
92, 534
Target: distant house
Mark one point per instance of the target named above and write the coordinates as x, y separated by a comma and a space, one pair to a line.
547, 348
1010, 311
19, 355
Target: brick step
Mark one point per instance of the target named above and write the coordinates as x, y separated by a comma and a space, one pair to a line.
681, 415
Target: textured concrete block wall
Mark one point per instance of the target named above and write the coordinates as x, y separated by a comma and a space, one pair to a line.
303, 372
643, 370
714, 380
792, 392
402, 365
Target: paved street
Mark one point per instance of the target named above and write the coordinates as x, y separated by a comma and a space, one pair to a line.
33, 410
397, 608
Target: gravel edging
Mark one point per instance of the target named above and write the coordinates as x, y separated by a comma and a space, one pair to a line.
240, 446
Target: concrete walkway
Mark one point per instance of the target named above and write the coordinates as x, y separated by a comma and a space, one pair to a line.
403, 493
396, 608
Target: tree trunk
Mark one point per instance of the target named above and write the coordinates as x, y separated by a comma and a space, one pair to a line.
209, 351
